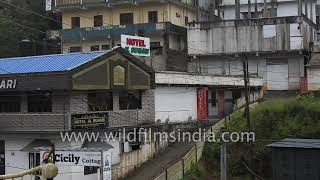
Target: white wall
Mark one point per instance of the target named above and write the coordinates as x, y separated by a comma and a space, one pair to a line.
175, 103
313, 78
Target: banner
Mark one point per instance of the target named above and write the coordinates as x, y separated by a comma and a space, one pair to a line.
107, 158
202, 104
74, 158
138, 46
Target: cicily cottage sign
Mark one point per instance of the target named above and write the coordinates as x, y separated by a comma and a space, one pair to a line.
138, 46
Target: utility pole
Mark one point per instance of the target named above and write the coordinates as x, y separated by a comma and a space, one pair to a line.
247, 108
223, 157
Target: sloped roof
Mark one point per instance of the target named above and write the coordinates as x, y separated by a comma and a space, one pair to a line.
297, 143
46, 63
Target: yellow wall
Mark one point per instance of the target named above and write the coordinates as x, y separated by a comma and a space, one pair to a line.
111, 16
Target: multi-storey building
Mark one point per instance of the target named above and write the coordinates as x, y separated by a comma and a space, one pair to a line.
91, 25
275, 37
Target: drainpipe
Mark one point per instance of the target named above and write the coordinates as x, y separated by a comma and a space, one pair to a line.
299, 7
249, 9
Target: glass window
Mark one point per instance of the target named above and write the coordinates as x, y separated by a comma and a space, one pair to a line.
98, 21
126, 18
75, 22
34, 160
153, 16
10, 103
100, 101
95, 48
40, 102
130, 100
75, 49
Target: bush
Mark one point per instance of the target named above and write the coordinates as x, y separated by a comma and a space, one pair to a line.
195, 173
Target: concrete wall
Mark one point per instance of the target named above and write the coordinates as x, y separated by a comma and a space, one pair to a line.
313, 74
175, 103
233, 37
257, 66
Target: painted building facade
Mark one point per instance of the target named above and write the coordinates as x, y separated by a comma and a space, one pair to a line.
97, 25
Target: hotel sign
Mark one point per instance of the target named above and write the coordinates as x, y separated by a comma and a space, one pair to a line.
138, 46
89, 121
202, 103
8, 84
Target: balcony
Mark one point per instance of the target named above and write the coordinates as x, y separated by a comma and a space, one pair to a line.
67, 4
105, 32
34, 122
262, 35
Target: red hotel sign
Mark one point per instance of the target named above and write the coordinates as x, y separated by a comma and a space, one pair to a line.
202, 104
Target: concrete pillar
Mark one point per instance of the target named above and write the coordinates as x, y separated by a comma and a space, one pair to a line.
220, 94
299, 7
237, 11
249, 9
306, 8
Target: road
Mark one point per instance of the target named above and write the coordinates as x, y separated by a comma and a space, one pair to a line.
154, 167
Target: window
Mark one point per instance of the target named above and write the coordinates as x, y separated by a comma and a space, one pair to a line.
95, 48
100, 101
90, 170
130, 100
186, 20
213, 98
126, 18
153, 16
40, 102
9, 103
105, 47
75, 22
34, 160
155, 45
75, 49
98, 21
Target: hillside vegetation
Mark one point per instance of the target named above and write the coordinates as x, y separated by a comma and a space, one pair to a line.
271, 121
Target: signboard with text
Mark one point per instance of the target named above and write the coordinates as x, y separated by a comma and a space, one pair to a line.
89, 121
106, 166
202, 104
138, 46
74, 158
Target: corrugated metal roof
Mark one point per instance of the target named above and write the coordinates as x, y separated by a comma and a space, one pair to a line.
46, 63
297, 143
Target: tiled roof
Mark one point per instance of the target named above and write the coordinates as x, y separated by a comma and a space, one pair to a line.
46, 63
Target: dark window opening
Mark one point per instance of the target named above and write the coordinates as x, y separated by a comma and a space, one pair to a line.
213, 98
95, 48
155, 45
40, 103
126, 18
2, 158
10, 104
153, 16
75, 22
236, 94
135, 147
130, 100
75, 49
105, 47
90, 170
186, 20
34, 161
98, 21
100, 101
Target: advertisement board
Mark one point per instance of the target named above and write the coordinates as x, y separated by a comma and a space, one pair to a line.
74, 158
89, 121
138, 46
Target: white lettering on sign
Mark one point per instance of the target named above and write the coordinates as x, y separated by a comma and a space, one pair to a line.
138, 46
76, 158
107, 157
8, 84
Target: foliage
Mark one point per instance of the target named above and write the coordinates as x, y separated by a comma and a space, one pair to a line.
195, 173
12, 20
271, 121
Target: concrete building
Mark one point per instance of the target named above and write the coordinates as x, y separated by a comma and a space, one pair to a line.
98, 91
91, 25
277, 45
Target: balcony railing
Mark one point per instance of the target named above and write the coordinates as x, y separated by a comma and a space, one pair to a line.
114, 30
79, 3
34, 122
